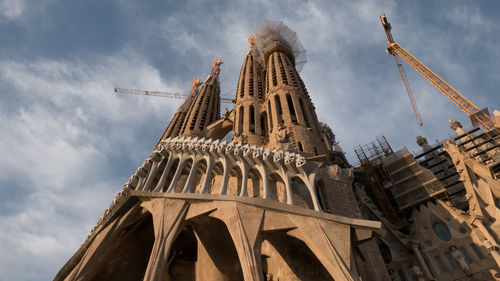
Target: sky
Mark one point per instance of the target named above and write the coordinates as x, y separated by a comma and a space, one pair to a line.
68, 143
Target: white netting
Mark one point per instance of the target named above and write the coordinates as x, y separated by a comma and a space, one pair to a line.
268, 31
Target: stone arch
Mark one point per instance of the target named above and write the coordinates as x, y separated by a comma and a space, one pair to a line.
217, 259
126, 254
287, 258
186, 168
254, 183
300, 193
234, 182
182, 257
170, 173
199, 178
157, 174
215, 183
277, 189
320, 191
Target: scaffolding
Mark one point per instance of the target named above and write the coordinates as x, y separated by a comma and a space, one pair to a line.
370, 157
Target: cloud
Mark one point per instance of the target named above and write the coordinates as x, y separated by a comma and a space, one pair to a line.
12, 9
60, 149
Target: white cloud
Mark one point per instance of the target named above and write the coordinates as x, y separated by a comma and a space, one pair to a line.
56, 146
12, 9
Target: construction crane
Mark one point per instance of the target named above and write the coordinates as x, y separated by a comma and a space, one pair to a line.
482, 118
402, 72
161, 94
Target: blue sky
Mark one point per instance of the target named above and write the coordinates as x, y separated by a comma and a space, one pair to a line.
68, 144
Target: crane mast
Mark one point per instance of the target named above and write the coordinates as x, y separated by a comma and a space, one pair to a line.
387, 28
482, 118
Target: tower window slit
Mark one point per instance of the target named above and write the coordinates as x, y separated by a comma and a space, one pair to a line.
273, 69
240, 123
242, 80
252, 119
291, 108
282, 70
299, 145
250, 79
304, 113
263, 124
279, 110
270, 115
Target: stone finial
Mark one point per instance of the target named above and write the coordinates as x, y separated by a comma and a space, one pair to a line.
251, 40
421, 141
216, 66
455, 124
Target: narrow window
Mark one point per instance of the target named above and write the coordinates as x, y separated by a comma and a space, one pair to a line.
242, 80
304, 113
279, 110
401, 275
439, 261
250, 78
291, 108
270, 116
273, 69
263, 124
252, 119
466, 255
299, 144
315, 152
477, 251
451, 260
240, 124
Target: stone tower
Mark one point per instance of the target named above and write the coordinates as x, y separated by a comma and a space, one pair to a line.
270, 205
292, 118
205, 109
251, 125
175, 126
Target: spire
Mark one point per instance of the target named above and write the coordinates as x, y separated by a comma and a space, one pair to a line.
251, 122
205, 107
293, 123
174, 127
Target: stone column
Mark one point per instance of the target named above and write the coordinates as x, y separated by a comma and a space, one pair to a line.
177, 174
192, 173
288, 188
225, 176
244, 180
208, 175
265, 182
152, 172
164, 175
421, 261
168, 216
142, 177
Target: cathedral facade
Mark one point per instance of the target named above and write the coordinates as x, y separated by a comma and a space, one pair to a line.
275, 203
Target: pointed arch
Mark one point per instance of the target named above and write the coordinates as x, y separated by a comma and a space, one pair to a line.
277, 189
300, 193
